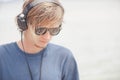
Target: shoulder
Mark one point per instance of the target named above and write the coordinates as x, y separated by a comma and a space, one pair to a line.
4, 48
59, 50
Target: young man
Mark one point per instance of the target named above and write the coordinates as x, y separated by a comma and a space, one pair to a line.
33, 57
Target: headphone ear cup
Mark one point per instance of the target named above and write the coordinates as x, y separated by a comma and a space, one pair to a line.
21, 21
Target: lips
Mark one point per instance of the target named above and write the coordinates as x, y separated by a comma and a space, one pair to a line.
43, 41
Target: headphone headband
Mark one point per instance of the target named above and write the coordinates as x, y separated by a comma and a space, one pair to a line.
34, 3
21, 18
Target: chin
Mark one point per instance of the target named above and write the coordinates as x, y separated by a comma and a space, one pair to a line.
41, 45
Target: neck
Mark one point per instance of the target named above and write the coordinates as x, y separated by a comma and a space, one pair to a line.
28, 47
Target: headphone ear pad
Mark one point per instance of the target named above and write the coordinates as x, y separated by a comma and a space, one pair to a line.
21, 21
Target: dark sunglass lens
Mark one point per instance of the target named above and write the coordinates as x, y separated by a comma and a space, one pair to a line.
54, 31
40, 31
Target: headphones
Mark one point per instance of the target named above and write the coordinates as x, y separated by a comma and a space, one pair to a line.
22, 17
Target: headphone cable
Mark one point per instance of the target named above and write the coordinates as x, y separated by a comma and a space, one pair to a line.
28, 62
26, 57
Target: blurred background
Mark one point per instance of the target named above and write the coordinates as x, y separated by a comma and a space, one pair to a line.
91, 29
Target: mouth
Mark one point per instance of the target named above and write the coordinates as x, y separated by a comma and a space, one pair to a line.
44, 41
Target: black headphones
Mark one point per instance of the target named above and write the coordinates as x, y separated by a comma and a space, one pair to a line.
22, 17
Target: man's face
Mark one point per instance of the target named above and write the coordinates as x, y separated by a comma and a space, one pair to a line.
41, 38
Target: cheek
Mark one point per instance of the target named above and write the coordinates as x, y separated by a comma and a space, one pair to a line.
30, 35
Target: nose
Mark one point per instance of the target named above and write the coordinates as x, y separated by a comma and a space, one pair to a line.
47, 35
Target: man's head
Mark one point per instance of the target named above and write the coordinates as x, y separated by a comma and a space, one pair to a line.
40, 12
40, 20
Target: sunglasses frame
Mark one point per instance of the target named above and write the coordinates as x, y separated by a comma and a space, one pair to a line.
37, 30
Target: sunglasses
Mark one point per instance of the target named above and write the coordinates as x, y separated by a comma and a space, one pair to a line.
43, 30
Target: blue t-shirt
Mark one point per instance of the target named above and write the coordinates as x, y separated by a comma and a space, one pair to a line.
58, 63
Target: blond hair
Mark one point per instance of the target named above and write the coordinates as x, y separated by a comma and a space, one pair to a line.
44, 13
